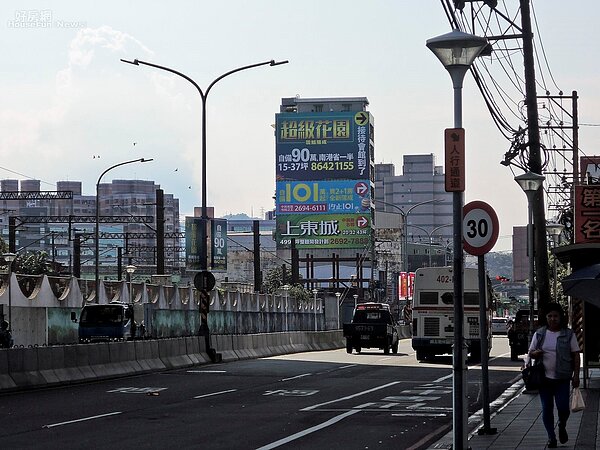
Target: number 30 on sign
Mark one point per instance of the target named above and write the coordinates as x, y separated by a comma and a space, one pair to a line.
480, 228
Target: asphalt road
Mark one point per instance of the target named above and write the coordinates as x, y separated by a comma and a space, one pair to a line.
303, 401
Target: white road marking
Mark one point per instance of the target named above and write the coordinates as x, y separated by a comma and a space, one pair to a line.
82, 419
206, 371
215, 393
358, 394
300, 434
439, 380
409, 398
297, 376
414, 414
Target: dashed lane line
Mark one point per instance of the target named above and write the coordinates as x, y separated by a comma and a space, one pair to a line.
83, 419
215, 393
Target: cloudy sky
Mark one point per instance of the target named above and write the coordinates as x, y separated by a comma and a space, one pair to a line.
69, 108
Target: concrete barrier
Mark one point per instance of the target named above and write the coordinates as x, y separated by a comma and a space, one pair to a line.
23, 368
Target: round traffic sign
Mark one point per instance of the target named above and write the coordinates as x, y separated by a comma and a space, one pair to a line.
204, 281
480, 228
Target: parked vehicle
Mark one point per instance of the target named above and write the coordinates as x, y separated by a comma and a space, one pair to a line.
433, 312
518, 334
372, 327
499, 325
114, 321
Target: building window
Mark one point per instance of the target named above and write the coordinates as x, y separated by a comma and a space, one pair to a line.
318, 108
346, 107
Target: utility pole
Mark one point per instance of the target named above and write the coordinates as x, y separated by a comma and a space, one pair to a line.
535, 161
160, 232
257, 272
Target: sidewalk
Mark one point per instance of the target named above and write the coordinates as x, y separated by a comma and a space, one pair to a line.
519, 423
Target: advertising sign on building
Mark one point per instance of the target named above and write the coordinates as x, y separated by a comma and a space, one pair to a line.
326, 197
587, 214
323, 197
324, 230
322, 146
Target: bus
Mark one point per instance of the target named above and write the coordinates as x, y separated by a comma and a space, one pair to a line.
433, 312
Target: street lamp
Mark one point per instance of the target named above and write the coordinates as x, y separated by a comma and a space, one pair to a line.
9, 258
315, 292
130, 269
355, 300
204, 96
405, 225
286, 288
457, 51
530, 183
337, 296
97, 230
555, 230
430, 236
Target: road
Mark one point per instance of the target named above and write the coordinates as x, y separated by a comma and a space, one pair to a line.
311, 400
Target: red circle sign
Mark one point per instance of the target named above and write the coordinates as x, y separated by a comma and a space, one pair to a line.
480, 228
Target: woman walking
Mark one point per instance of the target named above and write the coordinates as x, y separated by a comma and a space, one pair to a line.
557, 346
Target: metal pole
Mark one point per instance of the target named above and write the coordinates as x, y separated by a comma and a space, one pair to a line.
204, 96
459, 354
97, 230
530, 255
483, 335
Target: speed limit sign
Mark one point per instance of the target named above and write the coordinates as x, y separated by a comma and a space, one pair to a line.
480, 228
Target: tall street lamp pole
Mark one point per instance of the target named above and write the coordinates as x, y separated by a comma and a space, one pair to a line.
457, 51
405, 225
555, 230
97, 230
9, 258
530, 183
204, 96
430, 235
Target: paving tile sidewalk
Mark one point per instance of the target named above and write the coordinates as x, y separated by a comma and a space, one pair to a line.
519, 425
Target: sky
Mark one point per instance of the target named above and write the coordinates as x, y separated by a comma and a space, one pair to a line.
70, 109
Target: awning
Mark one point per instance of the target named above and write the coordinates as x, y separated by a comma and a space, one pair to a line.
584, 284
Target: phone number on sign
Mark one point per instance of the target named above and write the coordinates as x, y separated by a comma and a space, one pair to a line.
349, 240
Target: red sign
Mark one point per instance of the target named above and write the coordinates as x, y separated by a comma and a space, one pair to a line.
587, 214
455, 159
405, 285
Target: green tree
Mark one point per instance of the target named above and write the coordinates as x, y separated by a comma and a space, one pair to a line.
35, 263
275, 280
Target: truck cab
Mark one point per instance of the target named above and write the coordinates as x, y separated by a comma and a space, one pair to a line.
372, 327
115, 321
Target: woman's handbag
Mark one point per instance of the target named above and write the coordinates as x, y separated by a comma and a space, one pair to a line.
533, 375
577, 403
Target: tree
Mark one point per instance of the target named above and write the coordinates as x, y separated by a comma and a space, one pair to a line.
275, 280
35, 263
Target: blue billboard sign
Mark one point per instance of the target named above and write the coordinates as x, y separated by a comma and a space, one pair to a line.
323, 197
322, 146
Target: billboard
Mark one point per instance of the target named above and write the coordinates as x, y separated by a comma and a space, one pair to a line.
324, 230
323, 173
587, 214
193, 242
322, 146
217, 250
218, 246
323, 197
